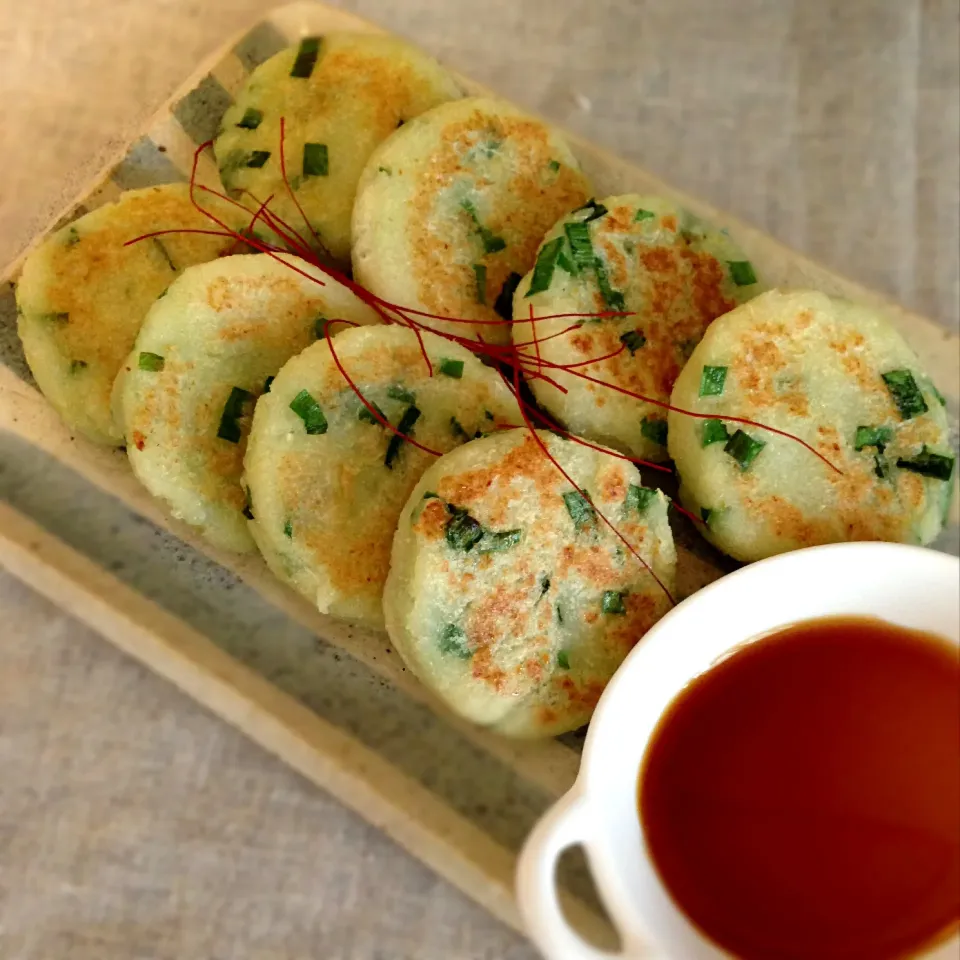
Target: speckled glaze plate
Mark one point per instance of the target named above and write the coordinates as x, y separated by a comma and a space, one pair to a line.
334, 702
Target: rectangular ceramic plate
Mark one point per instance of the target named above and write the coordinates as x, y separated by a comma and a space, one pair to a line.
332, 701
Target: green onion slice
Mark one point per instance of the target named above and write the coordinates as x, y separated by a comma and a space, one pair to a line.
451, 368
712, 381
596, 210
480, 279
404, 429
563, 660
743, 448
454, 641
633, 340
315, 160
397, 392
644, 215
233, 410
150, 361
367, 417
251, 119
257, 158
877, 437
613, 602
544, 267
306, 58
639, 498
929, 464
308, 410
905, 392
741, 272
714, 431
580, 509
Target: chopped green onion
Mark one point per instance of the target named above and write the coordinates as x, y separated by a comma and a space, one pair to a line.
288, 529
257, 158
613, 602
929, 464
714, 431
705, 514
938, 395
150, 361
743, 448
491, 242
905, 392
489, 415
480, 279
644, 215
367, 417
451, 368
580, 509
881, 466
544, 267
320, 327
164, 253
877, 437
397, 392
504, 301
72, 237
559, 613
306, 58
233, 410
614, 299
385, 170
247, 504
597, 210
633, 340
308, 410
77, 365
458, 430
563, 661
638, 498
267, 383
404, 428
566, 264
655, 430
741, 272
544, 587
251, 119
462, 531
454, 640
315, 160
554, 165
712, 380
578, 236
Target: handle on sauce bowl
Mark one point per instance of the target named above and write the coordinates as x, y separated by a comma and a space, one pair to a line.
563, 826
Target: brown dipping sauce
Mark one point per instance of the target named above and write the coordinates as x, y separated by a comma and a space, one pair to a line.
801, 799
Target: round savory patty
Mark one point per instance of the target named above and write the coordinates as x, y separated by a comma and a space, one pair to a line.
836, 375
340, 95
644, 256
328, 479
509, 596
206, 351
82, 296
453, 205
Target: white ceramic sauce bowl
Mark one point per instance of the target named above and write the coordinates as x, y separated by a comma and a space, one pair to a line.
909, 586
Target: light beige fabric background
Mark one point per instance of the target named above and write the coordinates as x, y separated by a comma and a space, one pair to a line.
133, 826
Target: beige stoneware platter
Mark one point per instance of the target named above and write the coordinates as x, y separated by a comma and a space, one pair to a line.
334, 702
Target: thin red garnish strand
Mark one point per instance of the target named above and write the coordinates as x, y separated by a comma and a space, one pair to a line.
394, 313
373, 412
583, 493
